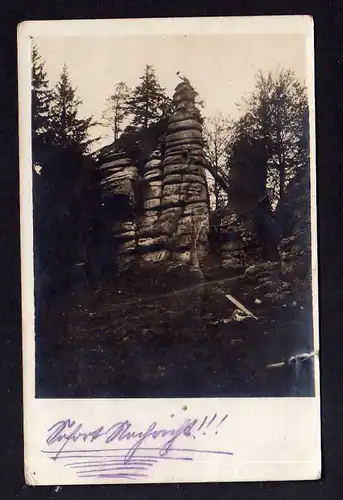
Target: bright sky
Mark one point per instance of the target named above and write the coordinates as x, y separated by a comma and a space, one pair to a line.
221, 67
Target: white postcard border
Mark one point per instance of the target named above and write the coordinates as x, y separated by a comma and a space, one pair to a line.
271, 438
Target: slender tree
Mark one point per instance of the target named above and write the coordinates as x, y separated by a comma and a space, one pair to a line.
116, 109
149, 102
41, 96
216, 134
68, 130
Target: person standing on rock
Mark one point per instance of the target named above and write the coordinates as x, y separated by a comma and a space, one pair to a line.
183, 78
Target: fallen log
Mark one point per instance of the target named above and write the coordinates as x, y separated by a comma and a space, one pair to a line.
240, 306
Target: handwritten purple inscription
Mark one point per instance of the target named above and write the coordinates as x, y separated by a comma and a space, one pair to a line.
133, 460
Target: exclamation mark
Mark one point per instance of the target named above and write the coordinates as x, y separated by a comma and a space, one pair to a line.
212, 420
222, 420
202, 423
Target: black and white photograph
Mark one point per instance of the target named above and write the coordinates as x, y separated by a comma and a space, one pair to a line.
172, 191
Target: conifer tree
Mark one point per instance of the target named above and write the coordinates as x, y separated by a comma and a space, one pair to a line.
40, 98
149, 102
68, 130
116, 109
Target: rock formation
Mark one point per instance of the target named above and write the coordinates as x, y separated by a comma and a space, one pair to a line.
151, 243
119, 181
184, 217
119, 178
294, 216
249, 234
231, 247
241, 220
167, 217
156, 205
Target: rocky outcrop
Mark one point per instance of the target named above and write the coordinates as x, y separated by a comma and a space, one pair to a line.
184, 217
119, 178
294, 216
158, 209
226, 239
246, 223
162, 214
151, 243
290, 276
118, 182
235, 237
244, 249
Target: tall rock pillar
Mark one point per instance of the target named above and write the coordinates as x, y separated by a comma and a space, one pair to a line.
151, 241
184, 216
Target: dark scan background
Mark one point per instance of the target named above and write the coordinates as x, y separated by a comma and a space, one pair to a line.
329, 60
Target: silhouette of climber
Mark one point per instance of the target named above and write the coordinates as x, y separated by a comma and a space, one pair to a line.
183, 78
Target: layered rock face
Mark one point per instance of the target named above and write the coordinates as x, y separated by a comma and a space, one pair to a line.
237, 242
119, 178
118, 182
184, 217
164, 213
151, 243
294, 215
249, 238
244, 213
227, 239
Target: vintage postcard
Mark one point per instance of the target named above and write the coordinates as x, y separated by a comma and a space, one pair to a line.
169, 250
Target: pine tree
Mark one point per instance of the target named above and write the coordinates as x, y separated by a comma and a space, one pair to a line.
40, 98
68, 130
116, 109
149, 102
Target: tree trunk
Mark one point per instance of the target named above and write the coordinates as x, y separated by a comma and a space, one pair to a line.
216, 187
282, 181
116, 125
217, 178
216, 194
146, 114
